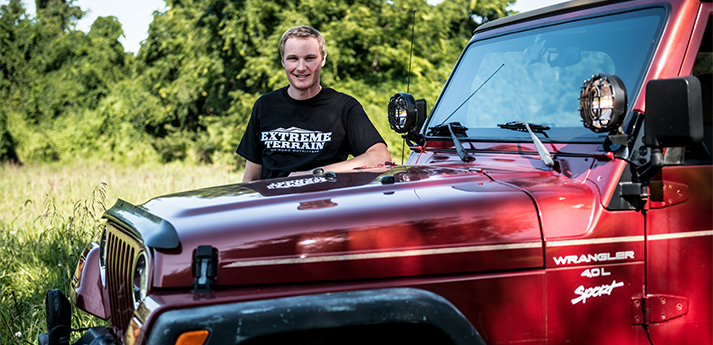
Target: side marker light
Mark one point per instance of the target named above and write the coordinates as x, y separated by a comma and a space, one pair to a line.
193, 337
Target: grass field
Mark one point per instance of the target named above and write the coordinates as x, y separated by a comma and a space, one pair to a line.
48, 213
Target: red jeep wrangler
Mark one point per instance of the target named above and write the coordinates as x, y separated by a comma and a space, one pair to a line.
560, 191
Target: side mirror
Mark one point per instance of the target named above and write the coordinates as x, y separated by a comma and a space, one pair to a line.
674, 113
673, 118
407, 115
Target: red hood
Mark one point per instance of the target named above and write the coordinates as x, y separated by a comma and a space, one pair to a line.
403, 222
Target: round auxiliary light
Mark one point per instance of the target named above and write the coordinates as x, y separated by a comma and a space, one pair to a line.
402, 112
602, 102
141, 278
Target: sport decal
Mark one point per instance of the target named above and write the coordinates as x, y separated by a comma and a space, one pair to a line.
594, 292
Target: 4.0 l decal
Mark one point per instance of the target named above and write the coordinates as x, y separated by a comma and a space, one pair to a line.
595, 272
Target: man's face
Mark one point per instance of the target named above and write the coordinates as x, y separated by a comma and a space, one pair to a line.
303, 62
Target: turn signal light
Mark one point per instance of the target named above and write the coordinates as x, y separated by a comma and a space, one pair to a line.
193, 337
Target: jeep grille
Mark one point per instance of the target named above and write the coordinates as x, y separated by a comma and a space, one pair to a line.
120, 252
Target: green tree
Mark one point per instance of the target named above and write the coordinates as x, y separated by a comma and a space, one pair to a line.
208, 60
55, 77
14, 38
188, 92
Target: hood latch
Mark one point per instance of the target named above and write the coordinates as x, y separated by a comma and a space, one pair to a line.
205, 268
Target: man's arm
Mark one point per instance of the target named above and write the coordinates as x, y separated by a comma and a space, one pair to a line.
374, 155
253, 171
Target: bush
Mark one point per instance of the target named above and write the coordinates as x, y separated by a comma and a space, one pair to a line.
33, 263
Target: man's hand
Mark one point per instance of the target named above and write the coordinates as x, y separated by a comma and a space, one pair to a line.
375, 155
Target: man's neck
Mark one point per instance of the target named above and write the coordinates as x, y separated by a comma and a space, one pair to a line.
302, 95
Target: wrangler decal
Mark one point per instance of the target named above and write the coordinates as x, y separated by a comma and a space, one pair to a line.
587, 258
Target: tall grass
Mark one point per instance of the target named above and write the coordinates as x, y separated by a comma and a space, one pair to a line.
48, 213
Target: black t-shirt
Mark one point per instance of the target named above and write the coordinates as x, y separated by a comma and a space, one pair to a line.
286, 135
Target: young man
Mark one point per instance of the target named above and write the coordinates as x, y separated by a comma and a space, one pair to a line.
303, 126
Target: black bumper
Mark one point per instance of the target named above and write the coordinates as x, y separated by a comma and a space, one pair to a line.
384, 309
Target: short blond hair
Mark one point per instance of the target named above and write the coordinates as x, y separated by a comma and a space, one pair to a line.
302, 32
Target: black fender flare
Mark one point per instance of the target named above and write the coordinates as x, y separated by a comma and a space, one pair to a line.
242, 321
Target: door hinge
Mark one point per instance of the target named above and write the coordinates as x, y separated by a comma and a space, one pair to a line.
205, 267
657, 308
668, 193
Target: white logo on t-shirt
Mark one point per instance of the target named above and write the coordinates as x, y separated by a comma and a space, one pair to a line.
295, 139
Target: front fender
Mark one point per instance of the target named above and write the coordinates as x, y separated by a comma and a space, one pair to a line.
87, 290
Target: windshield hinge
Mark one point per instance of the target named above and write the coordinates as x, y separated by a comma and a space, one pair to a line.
657, 308
205, 267
629, 196
633, 190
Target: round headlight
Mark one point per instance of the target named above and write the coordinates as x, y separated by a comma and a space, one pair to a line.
140, 278
102, 257
602, 102
402, 112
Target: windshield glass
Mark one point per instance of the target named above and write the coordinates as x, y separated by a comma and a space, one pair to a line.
536, 75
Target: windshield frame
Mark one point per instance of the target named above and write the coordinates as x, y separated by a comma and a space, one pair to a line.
559, 19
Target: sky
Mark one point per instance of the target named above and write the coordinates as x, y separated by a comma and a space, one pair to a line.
136, 15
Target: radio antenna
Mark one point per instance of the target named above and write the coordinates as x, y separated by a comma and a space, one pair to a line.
408, 79
410, 55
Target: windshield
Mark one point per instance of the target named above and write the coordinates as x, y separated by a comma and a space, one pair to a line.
536, 75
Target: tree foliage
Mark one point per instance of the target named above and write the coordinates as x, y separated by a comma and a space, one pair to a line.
188, 92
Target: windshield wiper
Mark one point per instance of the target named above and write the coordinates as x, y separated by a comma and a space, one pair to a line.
524, 126
520, 126
452, 128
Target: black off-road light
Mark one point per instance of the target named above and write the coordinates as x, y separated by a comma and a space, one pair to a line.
603, 102
402, 112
